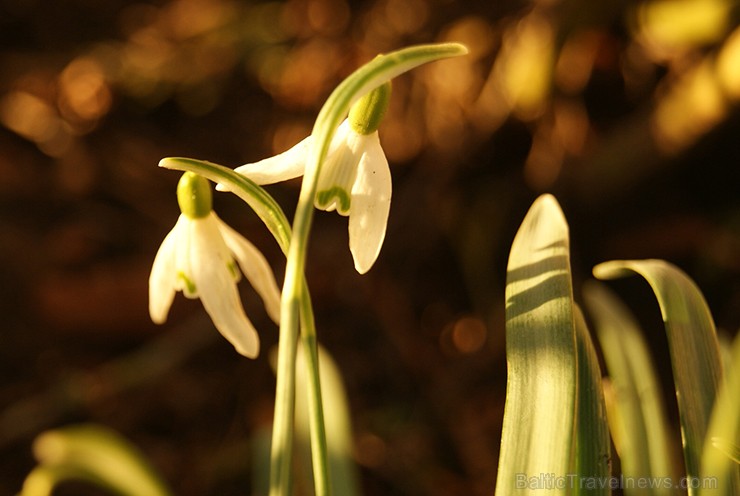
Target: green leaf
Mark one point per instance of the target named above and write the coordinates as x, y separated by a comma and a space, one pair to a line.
692, 339
259, 448
725, 350
540, 413
93, 454
593, 445
43, 480
343, 472
637, 415
720, 460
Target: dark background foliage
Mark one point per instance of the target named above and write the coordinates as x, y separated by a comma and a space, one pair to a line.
632, 125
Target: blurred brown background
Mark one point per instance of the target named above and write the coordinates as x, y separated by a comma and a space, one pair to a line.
626, 111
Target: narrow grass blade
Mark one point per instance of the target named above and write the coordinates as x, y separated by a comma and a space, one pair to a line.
593, 445
344, 478
637, 416
692, 339
537, 442
720, 462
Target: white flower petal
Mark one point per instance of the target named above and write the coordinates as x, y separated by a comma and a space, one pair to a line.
217, 288
162, 279
221, 301
287, 165
185, 230
255, 267
371, 203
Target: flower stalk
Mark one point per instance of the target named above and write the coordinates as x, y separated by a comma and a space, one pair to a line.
296, 309
277, 223
380, 70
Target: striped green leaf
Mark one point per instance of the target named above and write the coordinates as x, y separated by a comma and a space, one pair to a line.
537, 442
637, 415
692, 339
720, 460
593, 445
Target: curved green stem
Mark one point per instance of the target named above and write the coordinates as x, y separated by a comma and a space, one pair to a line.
317, 427
368, 77
259, 200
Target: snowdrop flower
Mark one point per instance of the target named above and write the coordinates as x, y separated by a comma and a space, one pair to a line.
198, 258
355, 179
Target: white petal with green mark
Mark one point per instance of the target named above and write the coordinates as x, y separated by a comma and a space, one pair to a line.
333, 191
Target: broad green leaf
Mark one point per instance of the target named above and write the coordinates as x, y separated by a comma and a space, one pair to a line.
539, 417
721, 457
93, 454
593, 448
725, 350
637, 415
692, 339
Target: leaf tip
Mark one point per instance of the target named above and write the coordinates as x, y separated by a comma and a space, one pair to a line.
608, 270
548, 205
167, 163
460, 48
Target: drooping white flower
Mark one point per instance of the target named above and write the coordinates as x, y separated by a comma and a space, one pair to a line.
199, 257
355, 179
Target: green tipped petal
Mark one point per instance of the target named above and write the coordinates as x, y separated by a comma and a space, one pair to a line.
334, 196
340, 171
194, 195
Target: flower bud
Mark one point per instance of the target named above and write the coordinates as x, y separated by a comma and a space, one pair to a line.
194, 195
367, 113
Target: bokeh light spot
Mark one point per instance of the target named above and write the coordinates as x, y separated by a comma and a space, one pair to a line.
468, 334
